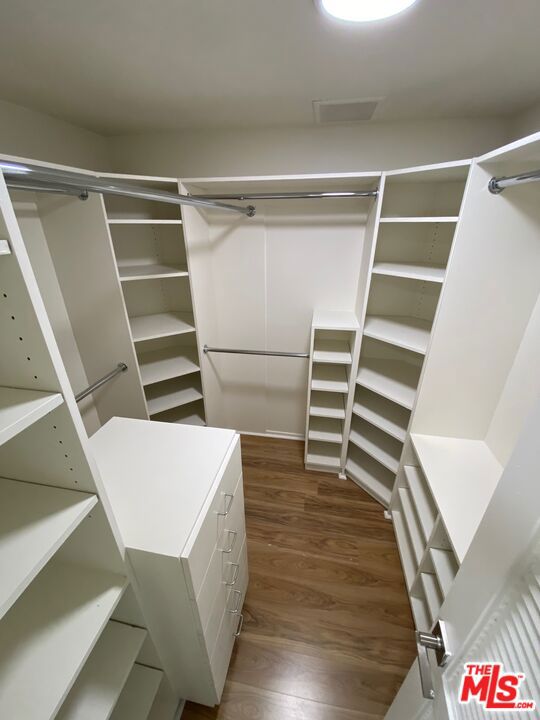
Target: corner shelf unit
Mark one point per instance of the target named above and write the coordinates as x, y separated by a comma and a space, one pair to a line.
333, 352
411, 244
153, 273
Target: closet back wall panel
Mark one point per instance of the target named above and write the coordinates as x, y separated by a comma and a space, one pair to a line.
256, 283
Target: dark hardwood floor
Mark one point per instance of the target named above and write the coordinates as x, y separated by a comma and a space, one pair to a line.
328, 633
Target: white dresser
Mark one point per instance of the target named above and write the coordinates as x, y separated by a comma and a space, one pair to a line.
177, 496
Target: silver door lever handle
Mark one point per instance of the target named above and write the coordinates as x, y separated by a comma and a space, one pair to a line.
438, 641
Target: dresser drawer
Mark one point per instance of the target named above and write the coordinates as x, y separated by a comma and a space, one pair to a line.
224, 567
231, 626
209, 528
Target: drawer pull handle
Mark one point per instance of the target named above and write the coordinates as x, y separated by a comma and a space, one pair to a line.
229, 497
236, 572
238, 602
239, 627
233, 541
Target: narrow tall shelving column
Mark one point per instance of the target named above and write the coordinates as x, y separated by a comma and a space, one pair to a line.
413, 239
153, 272
334, 337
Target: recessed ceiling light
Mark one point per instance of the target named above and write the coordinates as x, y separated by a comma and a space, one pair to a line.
364, 10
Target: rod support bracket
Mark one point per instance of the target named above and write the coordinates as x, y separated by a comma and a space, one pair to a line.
251, 211
494, 187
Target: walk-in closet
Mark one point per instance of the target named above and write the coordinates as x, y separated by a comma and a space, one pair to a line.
270, 339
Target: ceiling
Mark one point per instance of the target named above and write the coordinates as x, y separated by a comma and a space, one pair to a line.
118, 66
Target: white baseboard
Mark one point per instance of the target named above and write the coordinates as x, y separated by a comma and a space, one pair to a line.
276, 435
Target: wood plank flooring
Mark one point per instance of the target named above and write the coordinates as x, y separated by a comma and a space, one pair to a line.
328, 633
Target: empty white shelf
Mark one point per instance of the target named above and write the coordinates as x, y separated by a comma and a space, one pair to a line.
446, 567
405, 552
422, 500
35, 521
21, 408
377, 444
150, 327
326, 430
48, 635
329, 378
171, 394
393, 379
405, 332
138, 694
384, 414
100, 682
332, 351
142, 221
432, 593
327, 405
185, 415
324, 455
411, 524
414, 271
4, 247
422, 219
150, 272
167, 363
370, 475
335, 320
420, 613
462, 475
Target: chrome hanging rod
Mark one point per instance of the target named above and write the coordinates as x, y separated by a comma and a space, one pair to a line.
290, 195
21, 175
272, 353
498, 184
120, 368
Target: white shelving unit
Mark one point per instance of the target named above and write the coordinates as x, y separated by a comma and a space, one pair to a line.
138, 694
405, 268
153, 272
334, 344
61, 564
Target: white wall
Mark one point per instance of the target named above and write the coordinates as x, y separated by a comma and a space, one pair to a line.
369, 146
31, 134
525, 123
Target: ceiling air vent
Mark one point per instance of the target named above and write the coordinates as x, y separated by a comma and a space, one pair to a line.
344, 111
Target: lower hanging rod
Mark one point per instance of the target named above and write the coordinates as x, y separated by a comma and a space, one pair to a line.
291, 195
120, 368
273, 353
25, 177
498, 184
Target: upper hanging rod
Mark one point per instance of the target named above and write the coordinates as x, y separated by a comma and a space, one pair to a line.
290, 195
26, 177
120, 368
273, 353
498, 184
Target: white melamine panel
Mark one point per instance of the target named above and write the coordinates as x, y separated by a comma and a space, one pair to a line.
335, 320
80, 247
406, 332
369, 474
412, 527
422, 197
329, 378
148, 327
462, 475
415, 271
131, 452
325, 429
403, 297
150, 272
424, 245
327, 405
20, 408
35, 521
432, 594
166, 363
142, 221
126, 208
446, 567
191, 414
149, 297
323, 454
384, 414
332, 351
393, 379
422, 500
138, 694
408, 561
100, 682
428, 219
48, 635
480, 327
380, 446
144, 244
173, 393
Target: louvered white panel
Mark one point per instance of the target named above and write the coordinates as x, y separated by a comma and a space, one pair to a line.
511, 635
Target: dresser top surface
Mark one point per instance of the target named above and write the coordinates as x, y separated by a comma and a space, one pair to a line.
157, 477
